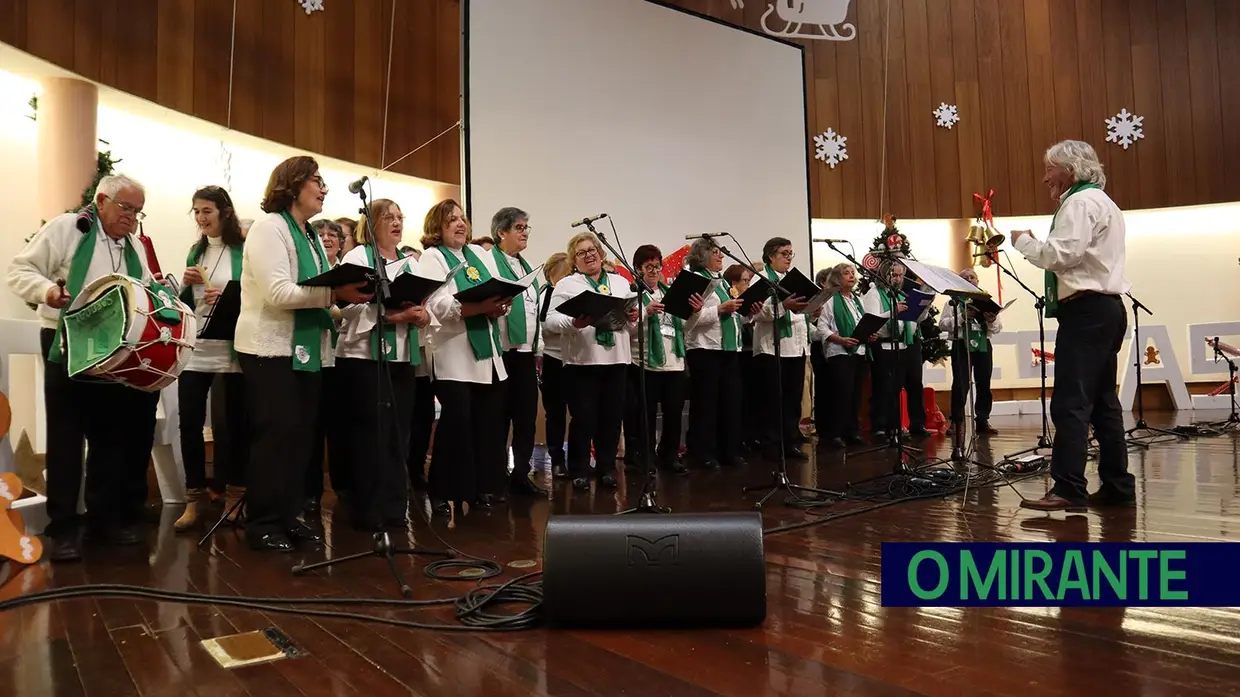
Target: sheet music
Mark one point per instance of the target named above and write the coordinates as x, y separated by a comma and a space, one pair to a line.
441, 290
941, 280
818, 300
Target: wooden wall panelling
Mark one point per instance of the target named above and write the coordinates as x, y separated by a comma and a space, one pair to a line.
943, 89
899, 157
1065, 74
1228, 24
1123, 166
1204, 86
338, 110
1148, 100
13, 23
866, 161
826, 184
1175, 137
921, 104
969, 131
174, 55
1041, 83
851, 124
1023, 157
84, 33
252, 51
992, 111
309, 76
448, 72
370, 41
209, 35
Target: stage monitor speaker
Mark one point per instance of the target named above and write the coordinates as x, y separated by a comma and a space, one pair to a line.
649, 569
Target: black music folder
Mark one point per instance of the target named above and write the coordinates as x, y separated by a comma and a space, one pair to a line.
410, 288
686, 285
867, 325
595, 305
799, 284
220, 322
759, 291
497, 288
342, 275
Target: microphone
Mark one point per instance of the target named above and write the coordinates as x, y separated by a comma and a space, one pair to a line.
705, 235
356, 187
587, 221
829, 241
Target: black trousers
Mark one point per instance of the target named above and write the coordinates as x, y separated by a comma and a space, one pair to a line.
555, 408
664, 389
983, 366
118, 423
228, 424
423, 424
749, 385
841, 383
1091, 331
596, 400
521, 407
469, 457
889, 377
715, 404
784, 382
282, 404
377, 439
329, 439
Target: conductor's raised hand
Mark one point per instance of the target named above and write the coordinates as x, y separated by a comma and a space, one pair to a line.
353, 293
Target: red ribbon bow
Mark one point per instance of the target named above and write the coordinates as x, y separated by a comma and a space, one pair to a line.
988, 218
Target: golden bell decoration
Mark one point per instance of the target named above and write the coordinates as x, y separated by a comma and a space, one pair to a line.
978, 234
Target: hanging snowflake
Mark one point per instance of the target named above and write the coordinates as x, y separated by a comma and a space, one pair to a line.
1124, 128
947, 115
830, 147
224, 162
311, 5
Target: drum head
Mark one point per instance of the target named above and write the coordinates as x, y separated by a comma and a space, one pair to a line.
95, 331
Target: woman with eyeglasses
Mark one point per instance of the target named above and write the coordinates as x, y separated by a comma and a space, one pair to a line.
783, 382
713, 345
664, 367
469, 459
284, 338
214, 260
596, 354
376, 373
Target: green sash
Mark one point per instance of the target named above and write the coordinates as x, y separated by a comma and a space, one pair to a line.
845, 323
480, 328
516, 330
1052, 281
78, 266
727, 323
195, 255
389, 328
975, 334
654, 329
785, 320
605, 337
908, 330
308, 323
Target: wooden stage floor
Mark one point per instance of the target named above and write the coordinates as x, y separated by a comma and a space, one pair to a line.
826, 632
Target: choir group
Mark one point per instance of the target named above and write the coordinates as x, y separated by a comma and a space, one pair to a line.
309, 372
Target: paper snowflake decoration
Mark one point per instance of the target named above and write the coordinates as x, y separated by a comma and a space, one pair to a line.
947, 115
311, 5
830, 147
1124, 128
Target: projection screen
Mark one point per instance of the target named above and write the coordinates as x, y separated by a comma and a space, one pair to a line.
671, 123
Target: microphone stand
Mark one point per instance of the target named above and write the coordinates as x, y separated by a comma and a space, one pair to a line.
1233, 419
385, 408
1153, 434
1039, 304
779, 477
648, 502
959, 454
896, 438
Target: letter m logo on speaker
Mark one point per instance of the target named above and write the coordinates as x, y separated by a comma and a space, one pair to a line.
644, 552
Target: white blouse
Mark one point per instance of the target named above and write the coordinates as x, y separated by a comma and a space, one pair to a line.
794, 346
704, 328
551, 340
666, 336
579, 346
828, 324
360, 321
212, 355
451, 354
531, 310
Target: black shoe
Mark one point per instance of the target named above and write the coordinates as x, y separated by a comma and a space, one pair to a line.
609, 481
581, 483
675, 467
122, 536
63, 548
559, 471
525, 486
481, 503
919, 432
441, 509
834, 443
794, 453
300, 532
855, 440
271, 542
737, 461
313, 505
710, 464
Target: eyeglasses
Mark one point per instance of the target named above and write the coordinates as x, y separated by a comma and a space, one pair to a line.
131, 210
522, 228
651, 268
586, 253
787, 254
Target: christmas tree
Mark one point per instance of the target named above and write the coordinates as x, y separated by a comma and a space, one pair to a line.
891, 243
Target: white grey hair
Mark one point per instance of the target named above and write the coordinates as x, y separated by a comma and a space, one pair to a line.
699, 254
111, 185
505, 218
1078, 159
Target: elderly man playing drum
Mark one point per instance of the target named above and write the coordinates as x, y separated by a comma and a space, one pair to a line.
72, 251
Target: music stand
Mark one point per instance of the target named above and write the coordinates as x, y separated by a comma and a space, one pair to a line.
1155, 435
959, 454
1232, 422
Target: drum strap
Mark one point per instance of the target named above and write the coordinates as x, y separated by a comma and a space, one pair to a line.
308, 324
79, 265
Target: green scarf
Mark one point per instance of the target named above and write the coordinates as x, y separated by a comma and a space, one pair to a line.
785, 320
78, 266
908, 329
1052, 281
389, 328
975, 334
196, 254
480, 328
309, 323
516, 330
654, 329
605, 337
845, 323
727, 323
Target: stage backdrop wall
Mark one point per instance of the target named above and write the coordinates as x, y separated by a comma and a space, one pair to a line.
670, 123
172, 155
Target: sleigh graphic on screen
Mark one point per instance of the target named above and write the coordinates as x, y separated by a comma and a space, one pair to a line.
822, 19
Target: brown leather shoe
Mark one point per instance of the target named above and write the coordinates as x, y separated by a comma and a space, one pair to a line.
1051, 502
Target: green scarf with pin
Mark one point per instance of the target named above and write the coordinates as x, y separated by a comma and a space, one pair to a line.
1052, 281
480, 328
79, 265
517, 334
605, 337
728, 325
388, 342
845, 323
910, 332
308, 323
656, 357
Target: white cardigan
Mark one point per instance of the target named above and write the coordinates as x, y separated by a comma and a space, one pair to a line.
452, 356
270, 294
578, 346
